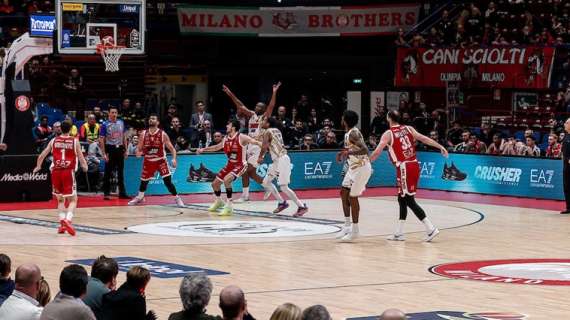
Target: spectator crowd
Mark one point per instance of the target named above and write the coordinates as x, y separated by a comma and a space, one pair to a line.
100, 297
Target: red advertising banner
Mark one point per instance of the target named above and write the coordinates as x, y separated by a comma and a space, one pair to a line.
501, 67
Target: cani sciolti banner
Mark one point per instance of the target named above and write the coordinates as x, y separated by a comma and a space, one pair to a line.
297, 21
509, 176
499, 67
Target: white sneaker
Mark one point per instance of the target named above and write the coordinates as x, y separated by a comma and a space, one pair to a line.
179, 202
242, 199
431, 235
266, 195
135, 201
345, 229
396, 237
349, 237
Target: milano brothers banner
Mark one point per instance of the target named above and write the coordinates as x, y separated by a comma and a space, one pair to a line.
297, 21
501, 67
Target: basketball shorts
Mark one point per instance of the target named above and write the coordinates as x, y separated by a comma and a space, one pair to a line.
356, 179
231, 168
151, 167
280, 169
407, 177
252, 154
63, 182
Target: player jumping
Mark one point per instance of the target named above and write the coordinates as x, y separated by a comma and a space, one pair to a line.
254, 129
65, 150
280, 169
401, 143
234, 145
151, 145
356, 177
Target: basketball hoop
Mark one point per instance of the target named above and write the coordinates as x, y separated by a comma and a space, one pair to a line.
111, 55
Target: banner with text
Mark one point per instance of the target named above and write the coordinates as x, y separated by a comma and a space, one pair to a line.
502, 67
297, 21
510, 176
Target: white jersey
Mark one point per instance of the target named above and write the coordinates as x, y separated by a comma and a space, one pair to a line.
355, 160
254, 126
276, 146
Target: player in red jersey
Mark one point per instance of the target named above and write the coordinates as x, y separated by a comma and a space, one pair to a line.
151, 145
255, 130
234, 146
65, 150
401, 143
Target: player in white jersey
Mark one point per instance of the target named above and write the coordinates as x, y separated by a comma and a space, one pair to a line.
359, 171
280, 169
254, 130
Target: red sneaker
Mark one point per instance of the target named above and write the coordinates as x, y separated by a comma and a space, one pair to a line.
61, 228
68, 227
301, 211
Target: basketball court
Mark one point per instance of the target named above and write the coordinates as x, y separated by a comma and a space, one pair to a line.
277, 258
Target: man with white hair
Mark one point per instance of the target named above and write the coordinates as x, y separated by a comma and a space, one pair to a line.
195, 293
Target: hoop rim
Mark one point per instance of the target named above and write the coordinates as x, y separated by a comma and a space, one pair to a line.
101, 47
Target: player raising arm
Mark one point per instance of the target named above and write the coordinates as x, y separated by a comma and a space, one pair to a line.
65, 150
234, 145
256, 118
401, 143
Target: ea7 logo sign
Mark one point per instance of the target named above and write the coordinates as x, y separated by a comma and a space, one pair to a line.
540, 177
426, 169
317, 168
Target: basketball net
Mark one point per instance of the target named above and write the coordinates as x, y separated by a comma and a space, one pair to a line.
111, 55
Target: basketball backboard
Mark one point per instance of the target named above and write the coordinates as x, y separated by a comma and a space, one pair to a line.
82, 24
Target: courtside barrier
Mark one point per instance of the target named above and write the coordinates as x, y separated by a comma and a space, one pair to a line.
510, 176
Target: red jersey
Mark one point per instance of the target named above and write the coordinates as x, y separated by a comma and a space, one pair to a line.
64, 156
153, 145
403, 146
234, 150
554, 150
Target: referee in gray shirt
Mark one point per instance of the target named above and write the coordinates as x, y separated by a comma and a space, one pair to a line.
113, 143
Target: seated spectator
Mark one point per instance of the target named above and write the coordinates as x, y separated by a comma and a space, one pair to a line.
463, 147
308, 143
73, 132
475, 145
372, 142
204, 137
22, 304
67, 304
133, 145
295, 115
330, 142
287, 311
497, 145
129, 301
455, 134
316, 312
298, 133
90, 130
434, 136
171, 113
74, 81
175, 130
487, 134
43, 133
406, 118
285, 122
554, 149
379, 124
233, 304
323, 133
313, 124
218, 137
182, 145
393, 314
44, 293
7, 285
197, 123
56, 129
531, 150
103, 280
195, 293
137, 117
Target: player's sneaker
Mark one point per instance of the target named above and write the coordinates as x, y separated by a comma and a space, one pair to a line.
242, 199
431, 235
68, 227
216, 205
344, 231
301, 211
61, 228
396, 237
280, 207
226, 211
135, 201
179, 202
351, 235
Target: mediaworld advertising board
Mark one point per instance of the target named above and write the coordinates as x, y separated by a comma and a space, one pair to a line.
511, 176
297, 21
499, 67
